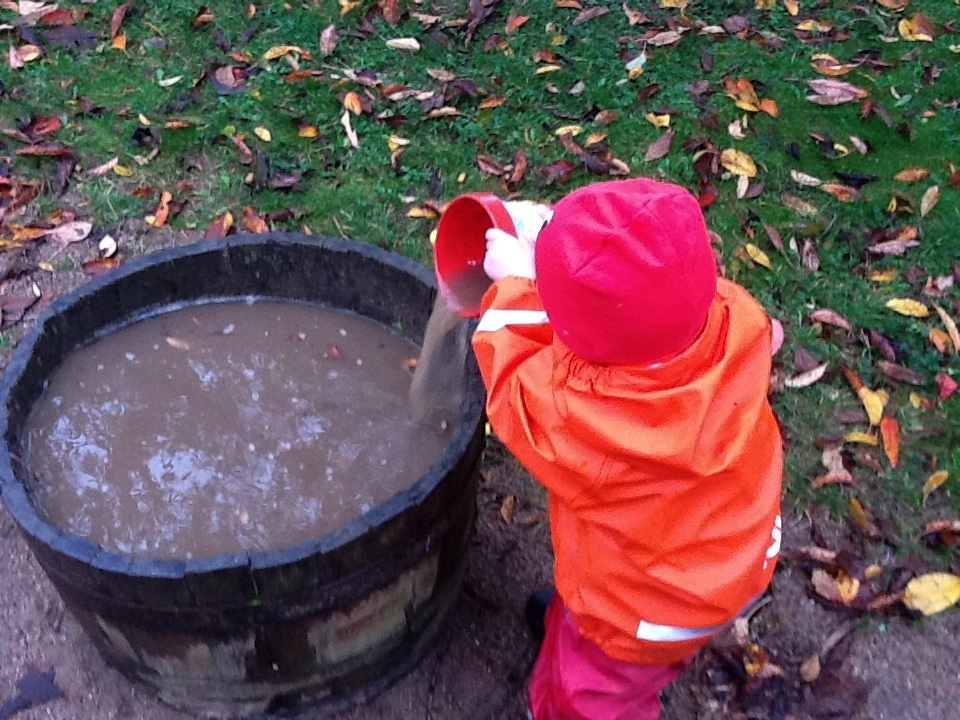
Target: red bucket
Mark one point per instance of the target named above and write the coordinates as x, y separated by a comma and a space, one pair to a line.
461, 247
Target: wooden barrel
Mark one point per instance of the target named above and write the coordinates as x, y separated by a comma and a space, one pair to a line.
330, 621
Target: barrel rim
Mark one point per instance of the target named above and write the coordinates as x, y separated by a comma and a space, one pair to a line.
14, 492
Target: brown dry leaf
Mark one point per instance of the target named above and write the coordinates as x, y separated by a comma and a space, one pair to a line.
769, 106
660, 147
932, 593
119, 42
890, 432
590, 14
328, 40
348, 129
828, 65
661, 39
940, 340
912, 174
950, 325
908, 307
933, 482
492, 102
834, 92
220, 226
278, 51
568, 4
506, 508
807, 378
738, 162
634, 17
391, 11
830, 317
919, 28
841, 589
929, 200
757, 663
117, 19
743, 93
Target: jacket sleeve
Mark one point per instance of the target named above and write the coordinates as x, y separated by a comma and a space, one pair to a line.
513, 344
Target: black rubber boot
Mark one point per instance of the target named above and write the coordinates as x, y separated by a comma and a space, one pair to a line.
536, 610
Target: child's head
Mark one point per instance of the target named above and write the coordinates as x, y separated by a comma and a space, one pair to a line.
626, 272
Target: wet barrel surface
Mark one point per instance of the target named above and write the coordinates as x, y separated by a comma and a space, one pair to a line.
329, 621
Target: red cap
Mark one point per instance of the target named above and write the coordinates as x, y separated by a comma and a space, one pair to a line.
626, 271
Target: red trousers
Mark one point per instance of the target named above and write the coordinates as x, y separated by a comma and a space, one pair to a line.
575, 680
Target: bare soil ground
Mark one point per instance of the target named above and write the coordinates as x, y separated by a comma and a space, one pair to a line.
887, 667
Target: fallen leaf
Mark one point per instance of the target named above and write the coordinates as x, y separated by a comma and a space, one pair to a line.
405, 44
932, 593
843, 193
658, 121
738, 162
908, 307
947, 385
950, 325
873, 403
933, 482
830, 317
220, 226
95, 268
348, 128
834, 92
916, 29
660, 147
253, 222
70, 232
101, 170
758, 255
353, 103
769, 106
929, 200
159, 218
278, 51
515, 21
807, 378
328, 40
912, 174
802, 178
506, 508
263, 134
890, 432
810, 668
590, 14
862, 438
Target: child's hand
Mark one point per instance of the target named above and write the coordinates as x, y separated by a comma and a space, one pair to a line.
508, 256
528, 218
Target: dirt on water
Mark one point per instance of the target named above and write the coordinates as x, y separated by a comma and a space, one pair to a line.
878, 667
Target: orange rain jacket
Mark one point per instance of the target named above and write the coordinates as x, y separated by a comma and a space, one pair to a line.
663, 481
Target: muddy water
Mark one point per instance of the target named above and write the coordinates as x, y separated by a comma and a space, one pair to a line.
437, 387
227, 427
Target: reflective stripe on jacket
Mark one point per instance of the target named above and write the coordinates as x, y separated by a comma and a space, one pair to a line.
664, 481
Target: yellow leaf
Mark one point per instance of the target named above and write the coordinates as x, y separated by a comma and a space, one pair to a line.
308, 131
873, 403
568, 130
422, 212
861, 437
793, 7
263, 134
908, 307
395, 141
348, 5
738, 162
281, 50
950, 325
884, 276
678, 4
933, 482
660, 121
916, 29
932, 593
547, 69
122, 171
765, 4
144, 120
758, 256
595, 138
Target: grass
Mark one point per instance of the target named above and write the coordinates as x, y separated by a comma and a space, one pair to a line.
356, 192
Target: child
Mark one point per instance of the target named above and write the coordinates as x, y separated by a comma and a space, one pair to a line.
632, 383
